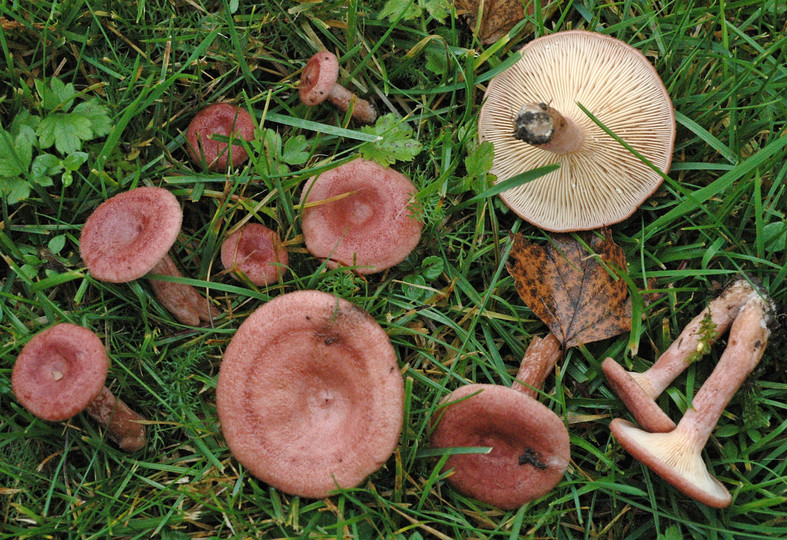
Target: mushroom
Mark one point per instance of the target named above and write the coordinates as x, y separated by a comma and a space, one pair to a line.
61, 371
638, 391
529, 443
360, 214
219, 119
129, 235
531, 115
309, 394
318, 83
257, 252
676, 455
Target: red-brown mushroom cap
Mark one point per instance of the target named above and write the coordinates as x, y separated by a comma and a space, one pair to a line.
599, 183
309, 394
219, 119
256, 251
318, 77
128, 234
530, 444
60, 371
370, 226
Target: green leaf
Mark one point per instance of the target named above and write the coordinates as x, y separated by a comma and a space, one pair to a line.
74, 161
438, 9
295, 150
65, 131
479, 161
396, 142
56, 95
393, 8
12, 161
432, 267
775, 236
100, 121
14, 190
44, 166
436, 60
56, 243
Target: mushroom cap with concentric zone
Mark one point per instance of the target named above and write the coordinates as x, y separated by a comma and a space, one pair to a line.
530, 444
219, 119
309, 394
601, 182
256, 251
129, 233
318, 77
60, 371
366, 219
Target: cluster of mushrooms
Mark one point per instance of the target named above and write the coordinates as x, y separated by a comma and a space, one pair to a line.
310, 396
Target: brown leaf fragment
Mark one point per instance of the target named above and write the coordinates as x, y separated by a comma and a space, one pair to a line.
499, 16
571, 289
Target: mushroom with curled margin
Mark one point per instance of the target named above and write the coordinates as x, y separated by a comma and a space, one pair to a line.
309, 394
129, 235
255, 251
318, 83
219, 119
676, 455
532, 117
61, 372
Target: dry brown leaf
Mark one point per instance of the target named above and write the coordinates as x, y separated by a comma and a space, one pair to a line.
570, 290
499, 16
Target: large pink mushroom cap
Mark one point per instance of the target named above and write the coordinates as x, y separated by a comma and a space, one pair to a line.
219, 119
129, 233
256, 251
368, 224
309, 394
60, 371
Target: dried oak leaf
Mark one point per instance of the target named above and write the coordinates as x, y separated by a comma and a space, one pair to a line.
499, 16
570, 290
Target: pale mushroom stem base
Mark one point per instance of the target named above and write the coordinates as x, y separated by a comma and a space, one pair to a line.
122, 424
183, 301
363, 111
540, 125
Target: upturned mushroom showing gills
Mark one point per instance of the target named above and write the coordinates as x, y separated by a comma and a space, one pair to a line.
531, 115
255, 251
222, 119
638, 391
529, 443
309, 394
129, 235
318, 83
360, 214
676, 455
61, 372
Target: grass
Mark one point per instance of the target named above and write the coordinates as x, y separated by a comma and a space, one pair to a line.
451, 309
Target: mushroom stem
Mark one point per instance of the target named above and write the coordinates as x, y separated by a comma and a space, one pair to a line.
676, 455
123, 425
540, 125
639, 391
538, 362
362, 111
183, 301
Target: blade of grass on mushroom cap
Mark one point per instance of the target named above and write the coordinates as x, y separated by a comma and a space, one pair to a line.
434, 452
514, 181
321, 128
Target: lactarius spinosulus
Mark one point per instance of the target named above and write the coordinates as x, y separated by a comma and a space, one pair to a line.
319, 82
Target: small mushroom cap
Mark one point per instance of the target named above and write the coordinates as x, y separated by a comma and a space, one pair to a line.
129, 233
675, 459
318, 78
219, 119
372, 227
256, 251
600, 183
60, 371
309, 394
530, 444
647, 412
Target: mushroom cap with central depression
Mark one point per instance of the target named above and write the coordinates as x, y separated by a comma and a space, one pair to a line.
599, 182
309, 394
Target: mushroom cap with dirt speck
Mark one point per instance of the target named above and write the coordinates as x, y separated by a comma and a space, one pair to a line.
601, 182
60, 371
309, 394
318, 77
219, 119
126, 235
530, 444
362, 215
257, 251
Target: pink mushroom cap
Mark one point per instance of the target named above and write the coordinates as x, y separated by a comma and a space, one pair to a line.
60, 371
219, 119
256, 251
318, 77
129, 233
372, 226
309, 394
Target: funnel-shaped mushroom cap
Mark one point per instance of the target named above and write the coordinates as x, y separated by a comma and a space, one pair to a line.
128, 234
530, 445
219, 119
256, 251
309, 394
60, 371
601, 182
318, 77
672, 456
370, 223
